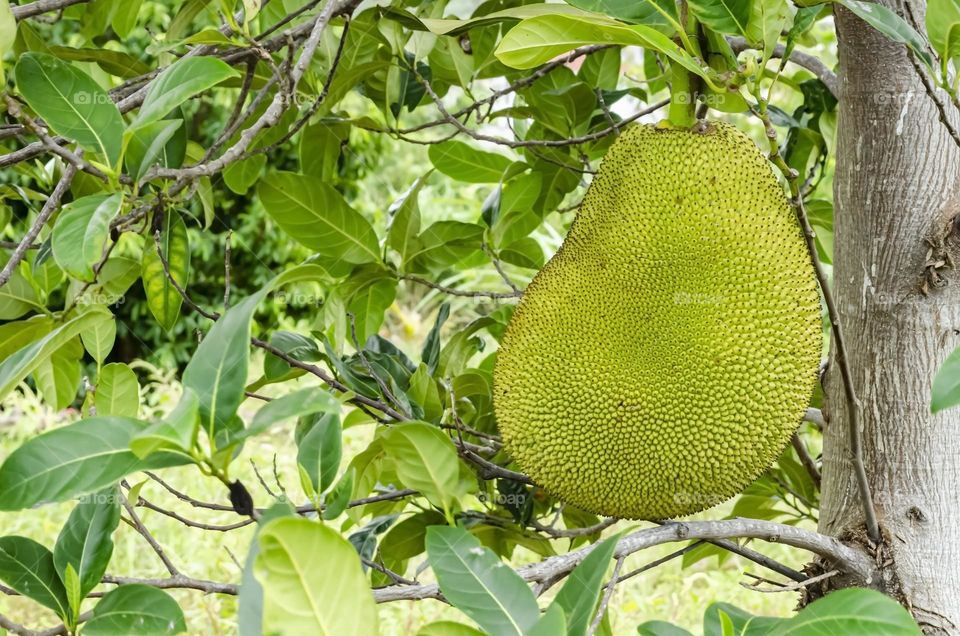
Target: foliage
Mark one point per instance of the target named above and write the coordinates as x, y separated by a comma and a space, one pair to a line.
247, 173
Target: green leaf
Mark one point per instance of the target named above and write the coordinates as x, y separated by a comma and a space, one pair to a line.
136, 609
317, 216
851, 611
338, 499
174, 432
22, 363
580, 592
404, 214
217, 372
941, 17
71, 103
407, 539
148, 146
114, 62
86, 540
81, 233
768, 19
163, 299
319, 451
448, 628
27, 567
17, 335
478, 583
118, 392
82, 457
661, 628
297, 404
8, 33
18, 296
463, 162
426, 460
448, 26
445, 243
300, 596
124, 17
946, 385
889, 24
98, 340
642, 12
538, 40
58, 376
723, 16
553, 622
182, 80
71, 583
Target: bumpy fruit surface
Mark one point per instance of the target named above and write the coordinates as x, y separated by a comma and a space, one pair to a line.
664, 356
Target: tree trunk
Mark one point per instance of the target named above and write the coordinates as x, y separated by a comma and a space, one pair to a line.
896, 184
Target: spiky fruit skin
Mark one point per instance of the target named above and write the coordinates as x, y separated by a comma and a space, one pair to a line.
662, 359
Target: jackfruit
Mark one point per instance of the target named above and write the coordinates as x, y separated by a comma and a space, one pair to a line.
661, 360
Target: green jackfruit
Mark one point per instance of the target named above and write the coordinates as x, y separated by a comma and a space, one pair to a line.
664, 356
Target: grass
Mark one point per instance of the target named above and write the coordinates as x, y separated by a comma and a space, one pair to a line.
667, 592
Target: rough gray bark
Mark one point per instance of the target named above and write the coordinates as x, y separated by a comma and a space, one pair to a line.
896, 184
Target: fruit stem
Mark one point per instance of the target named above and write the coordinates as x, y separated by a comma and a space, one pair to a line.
684, 85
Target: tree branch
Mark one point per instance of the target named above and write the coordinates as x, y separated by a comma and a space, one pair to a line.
839, 555
39, 7
51, 205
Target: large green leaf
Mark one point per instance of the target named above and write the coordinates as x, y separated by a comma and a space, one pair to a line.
723, 16
580, 592
71, 103
477, 583
162, 297
217, 372
76, 459
319, 451
463, 162
27, 567
312, 581
118, 392
851, 611
98, 339
86, 540
426, 460
890, 24
81, 232
317, 216
182, 80
847, 611
58, 377
649, 12
538, 40
136, 609
942, 19
22, 363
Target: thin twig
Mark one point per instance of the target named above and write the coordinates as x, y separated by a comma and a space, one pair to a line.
138, 525
607, 595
